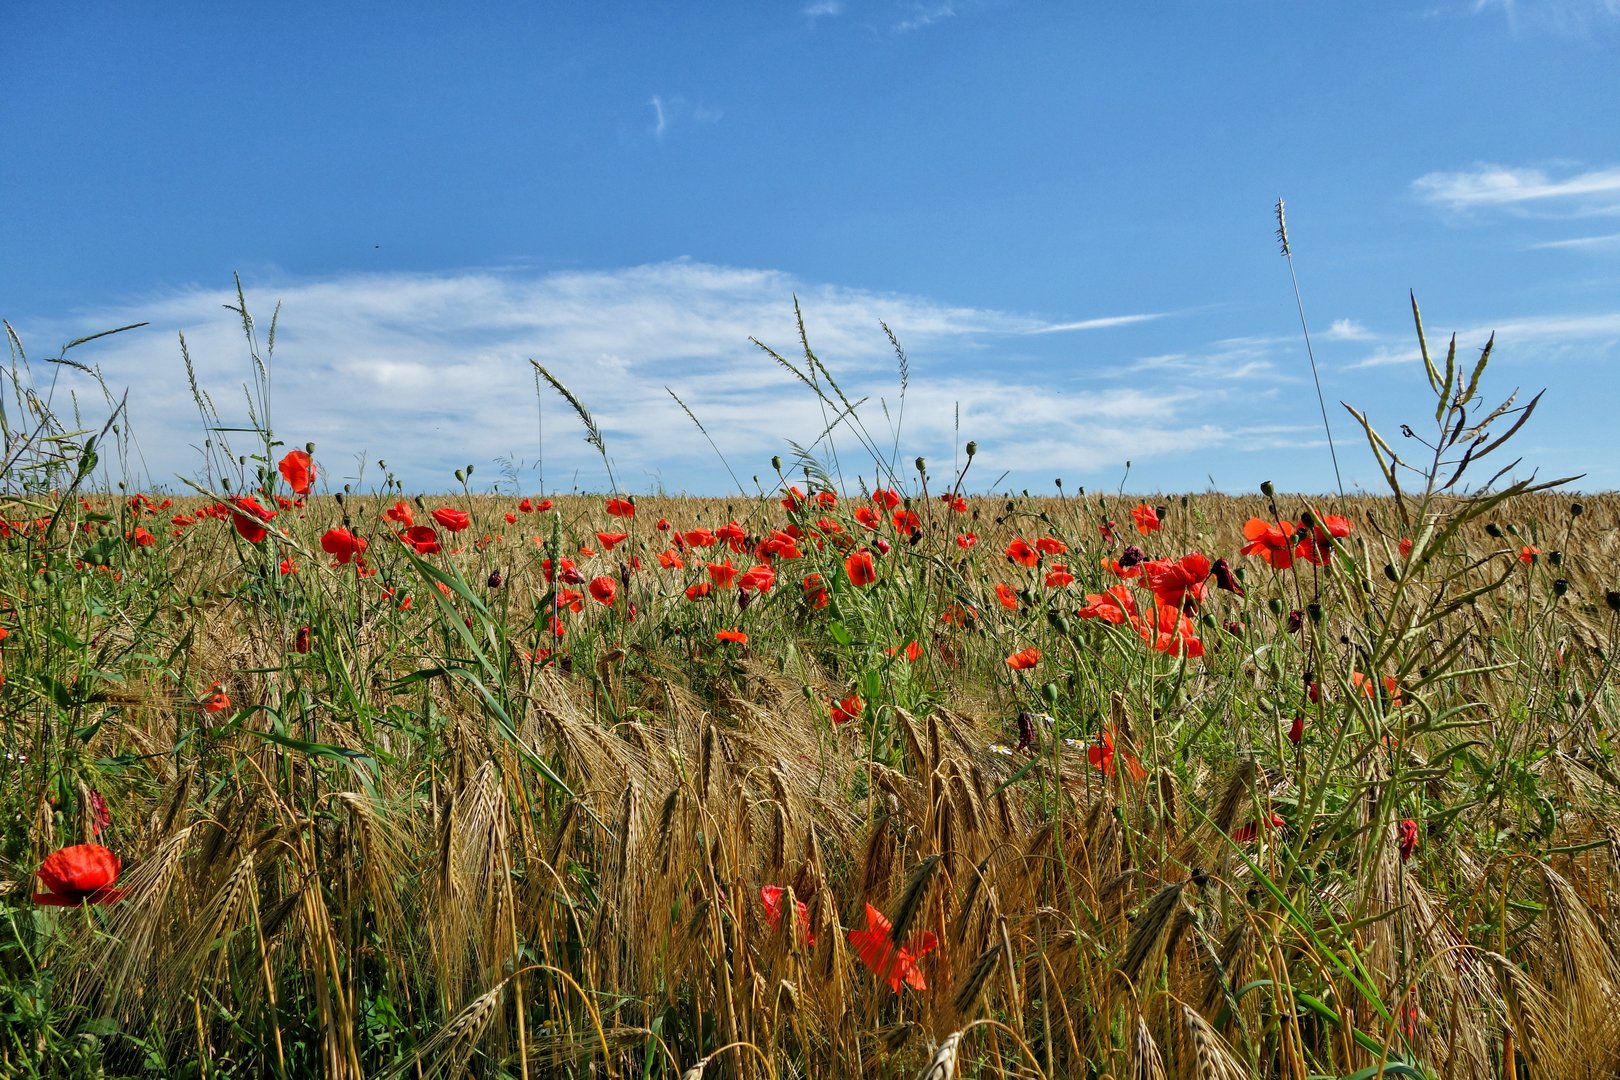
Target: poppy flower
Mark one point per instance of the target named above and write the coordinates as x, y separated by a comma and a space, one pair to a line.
759, 579
1407, 838
699, 538
1179, 584
400, 514
342, 545
1529, 554
298, 470
867, 516
906, 521
1405, 547
1369, 686
731, 635
771, 897
966, 540
671, 560
780, 545
956, 503
79, 874
1022, 552
1169, 631
793, 499
699, 591
1146, 519
1106, 530
1317, 547
1024, 659
609, 541
216, 701
1102, 755
888, 498
301, 640
878, 952
1007, 596
1059, 577
1114, 606
911, 650
846, 710
1051, 545
1272, 541
815, 591
1224, 578
248, 518
1245, 833
861, 569
452, 520
603, 589
621, 508
1296, 730
826, 499
424, 538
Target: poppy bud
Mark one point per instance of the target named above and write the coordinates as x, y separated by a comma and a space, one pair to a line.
1407, 838
1612, 599
1391, 573
1556, 558
922, 465
1233, 627
1560, 586
1222, 573
572, 575
882, 545
494, 579
1162, 511
972, 448
776, 463
1296, 619
1268, 490
1314, 610
1493, 529
624, 574
1577, 509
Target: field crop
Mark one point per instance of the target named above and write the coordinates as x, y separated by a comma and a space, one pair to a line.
848, 778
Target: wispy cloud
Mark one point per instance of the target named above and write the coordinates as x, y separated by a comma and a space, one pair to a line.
1538, 331
923, 15
1346, 330
1487, 187
1101, 323
430, 372
674, 111
821, 9
1561, 16
1587, 243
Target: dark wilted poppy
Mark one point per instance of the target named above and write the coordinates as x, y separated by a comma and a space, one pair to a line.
298, 470
1406, 838
1224, 579
452, 520
80, 874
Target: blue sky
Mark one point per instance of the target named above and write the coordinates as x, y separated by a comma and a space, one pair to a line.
1064, 211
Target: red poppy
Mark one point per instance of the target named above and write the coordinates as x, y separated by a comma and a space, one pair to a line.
957, 504
1405, 547
80, 874
906, 521
671, 560
966, 540
846, 710
1115, 606
216, 701
815, 591
780, 545
733, 534
621, 508
142, 537
1178, 584
878, 952
867, 516
827, 499
1245, 833
1318, 546
1051, 545
1022, 552
248, 518
424, 538
861, 569
1007, 596
793, 499
609, 541
771, 897
1102, 755
912, 651
1529, 554
603, 589
1296, 730
301, 640
699, 591
759, 579
731, 635
1024, 659
400, 514
1147, 519
888, 498
1170, 631
1058, 577
342, 545
298, 470
699, 538
452, 520
1407, 838
1369, 687
722, 574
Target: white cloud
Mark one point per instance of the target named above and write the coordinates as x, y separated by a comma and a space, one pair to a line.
1346, 330
676, 111
1592, 193
925, 15
1096, 324
822, 9
431, 372
1587, 243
